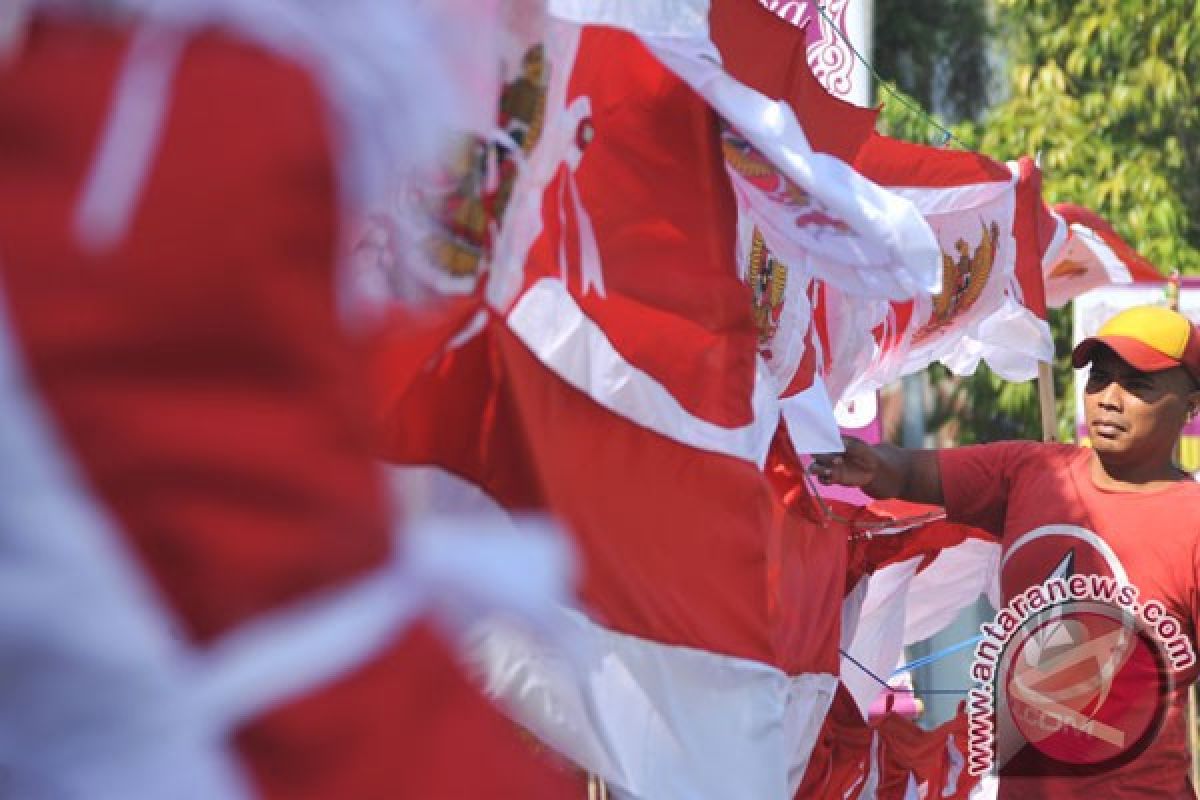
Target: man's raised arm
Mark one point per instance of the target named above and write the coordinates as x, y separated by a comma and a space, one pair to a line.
883, 470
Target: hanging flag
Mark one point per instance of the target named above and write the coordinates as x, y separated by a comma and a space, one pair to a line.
200, 591
1094, 255
619, 347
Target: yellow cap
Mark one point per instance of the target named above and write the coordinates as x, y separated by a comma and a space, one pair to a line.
1148, 338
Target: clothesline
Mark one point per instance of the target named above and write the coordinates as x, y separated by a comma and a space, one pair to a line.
946, 134
908, 689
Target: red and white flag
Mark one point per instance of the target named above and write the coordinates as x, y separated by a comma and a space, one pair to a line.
201, 593
1094, 255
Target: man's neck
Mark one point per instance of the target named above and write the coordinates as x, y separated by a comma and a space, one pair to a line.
1140, 477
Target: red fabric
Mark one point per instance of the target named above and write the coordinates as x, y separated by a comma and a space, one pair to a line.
770, 55
452, 408
839, 765
200, 378
891, 162
1033, 228
1013, 488
678, 545
868, 553
680, 548
406, 725
664, 219
898, 751
935, 761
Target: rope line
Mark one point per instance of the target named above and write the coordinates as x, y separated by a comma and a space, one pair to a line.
947, 134
896, 689
938, 656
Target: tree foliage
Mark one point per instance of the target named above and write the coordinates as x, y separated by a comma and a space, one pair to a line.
1106, 92
937, 50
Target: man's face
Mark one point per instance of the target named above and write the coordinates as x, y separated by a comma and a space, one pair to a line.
1135, 416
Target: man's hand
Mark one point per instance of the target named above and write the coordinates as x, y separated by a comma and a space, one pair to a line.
882, 471
859, 466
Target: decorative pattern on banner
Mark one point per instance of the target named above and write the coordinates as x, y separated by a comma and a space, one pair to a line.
808, 212
828, 54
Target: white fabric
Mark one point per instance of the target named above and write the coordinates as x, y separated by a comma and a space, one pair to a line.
955, 579
124, 157
811, 423
997, 327
591, 270
850, 321
987, 788
879, 635
658, 722
889, 250
1062, 234
785, 346
1088, 251
394, 246
1012, 340
903, 606
960, 213
551, 324
645, 17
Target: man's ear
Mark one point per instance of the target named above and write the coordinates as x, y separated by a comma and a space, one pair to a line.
1193, 404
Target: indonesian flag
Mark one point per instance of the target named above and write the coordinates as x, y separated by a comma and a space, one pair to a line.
609, 371
201, 594
994, 233
1094, 255
705, 653
824, 339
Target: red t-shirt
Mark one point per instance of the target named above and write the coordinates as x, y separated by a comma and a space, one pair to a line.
1053, 521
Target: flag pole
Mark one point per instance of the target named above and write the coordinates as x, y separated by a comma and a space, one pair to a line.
1045, 384
1193, 724
597, 789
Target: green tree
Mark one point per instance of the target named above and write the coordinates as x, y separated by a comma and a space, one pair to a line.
1105, 91
937, 51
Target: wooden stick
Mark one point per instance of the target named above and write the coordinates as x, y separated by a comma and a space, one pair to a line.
1046, 401
597, 789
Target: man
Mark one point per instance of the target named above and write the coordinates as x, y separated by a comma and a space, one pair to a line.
1121, 510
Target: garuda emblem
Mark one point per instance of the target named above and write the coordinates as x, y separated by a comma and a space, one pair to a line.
746, 161
483, 173
767, 277
963, 278
750, 164
1068, 269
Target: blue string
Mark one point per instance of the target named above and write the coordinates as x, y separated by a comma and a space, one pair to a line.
940, 654
896, 689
